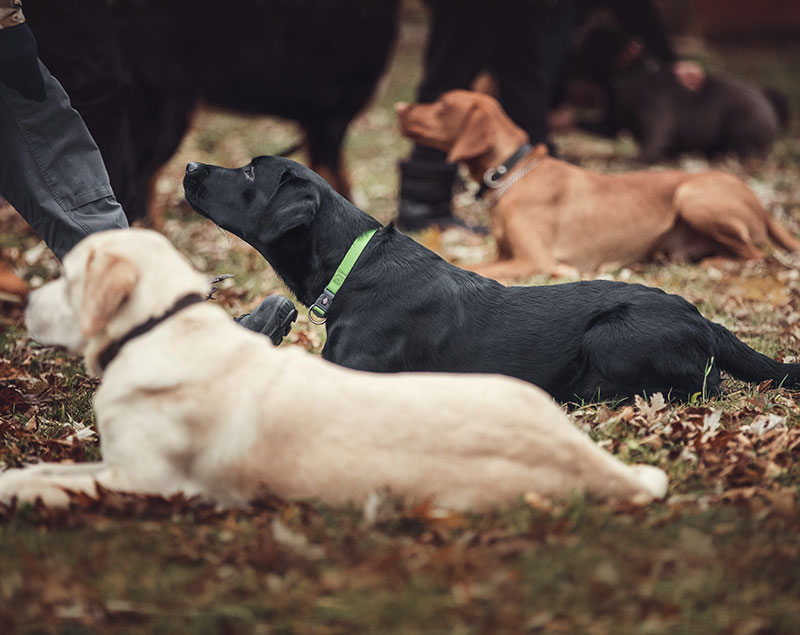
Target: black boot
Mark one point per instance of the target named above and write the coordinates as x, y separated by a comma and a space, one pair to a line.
273, 318
425, 191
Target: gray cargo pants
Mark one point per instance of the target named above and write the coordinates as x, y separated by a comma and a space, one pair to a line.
51, 170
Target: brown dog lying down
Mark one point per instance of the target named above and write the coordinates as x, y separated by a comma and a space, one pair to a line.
549, 216
191, 402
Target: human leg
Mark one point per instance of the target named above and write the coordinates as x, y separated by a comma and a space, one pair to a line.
519, 64
457, 50
51, 170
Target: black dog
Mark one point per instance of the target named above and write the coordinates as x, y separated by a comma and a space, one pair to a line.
645, 97
136, 69
403, 308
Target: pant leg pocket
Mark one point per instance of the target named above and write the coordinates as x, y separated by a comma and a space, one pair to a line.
64, 152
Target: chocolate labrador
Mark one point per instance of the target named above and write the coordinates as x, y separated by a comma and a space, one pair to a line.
644, 96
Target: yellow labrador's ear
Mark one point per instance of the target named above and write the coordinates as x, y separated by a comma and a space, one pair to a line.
110, 280
475, 138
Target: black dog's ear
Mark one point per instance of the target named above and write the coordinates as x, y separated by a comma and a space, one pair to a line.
294, 204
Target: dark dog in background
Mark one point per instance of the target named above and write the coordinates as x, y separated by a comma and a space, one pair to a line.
135, 70
403, 308
643, 96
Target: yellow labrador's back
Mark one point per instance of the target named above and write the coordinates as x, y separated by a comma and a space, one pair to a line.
467, 441
252, 417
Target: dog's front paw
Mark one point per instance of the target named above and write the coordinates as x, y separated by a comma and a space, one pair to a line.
19, 486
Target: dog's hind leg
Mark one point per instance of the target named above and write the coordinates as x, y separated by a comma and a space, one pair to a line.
643, 354
324, 140
723, 209
158, 124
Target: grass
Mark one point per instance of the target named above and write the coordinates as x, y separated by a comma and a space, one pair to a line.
581, 567
719, 555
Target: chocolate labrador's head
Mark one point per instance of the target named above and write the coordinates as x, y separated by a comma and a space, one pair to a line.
290, 214
469, 126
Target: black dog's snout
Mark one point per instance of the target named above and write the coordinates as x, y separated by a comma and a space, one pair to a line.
193, 186
195, 175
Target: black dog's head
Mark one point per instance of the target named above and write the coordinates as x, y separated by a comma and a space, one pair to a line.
290, 214
259, 202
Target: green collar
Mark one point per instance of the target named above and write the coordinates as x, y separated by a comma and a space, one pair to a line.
318, 311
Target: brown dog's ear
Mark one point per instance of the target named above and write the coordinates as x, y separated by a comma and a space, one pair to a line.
475, 138
109, 283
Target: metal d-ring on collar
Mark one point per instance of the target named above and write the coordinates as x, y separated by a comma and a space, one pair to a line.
493, 177
317, 312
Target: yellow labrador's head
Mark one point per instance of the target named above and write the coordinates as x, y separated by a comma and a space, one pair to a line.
113, 281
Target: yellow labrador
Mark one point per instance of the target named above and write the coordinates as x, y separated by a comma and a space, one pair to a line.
191, 402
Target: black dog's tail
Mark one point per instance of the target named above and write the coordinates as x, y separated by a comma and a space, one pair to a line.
741, 361
780, 104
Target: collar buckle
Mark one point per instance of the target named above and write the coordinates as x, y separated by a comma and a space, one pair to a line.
318, 312
493, 176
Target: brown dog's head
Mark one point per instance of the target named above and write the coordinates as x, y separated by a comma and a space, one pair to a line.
469, 126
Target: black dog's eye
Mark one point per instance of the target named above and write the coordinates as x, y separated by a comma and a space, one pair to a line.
249, 172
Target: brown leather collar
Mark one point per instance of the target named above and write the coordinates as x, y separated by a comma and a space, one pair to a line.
108, 354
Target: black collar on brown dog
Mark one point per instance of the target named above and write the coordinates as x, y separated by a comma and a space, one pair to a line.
493, 177
110, 352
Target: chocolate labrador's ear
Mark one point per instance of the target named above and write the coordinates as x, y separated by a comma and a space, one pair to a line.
108, 285
476, 137
294, 204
